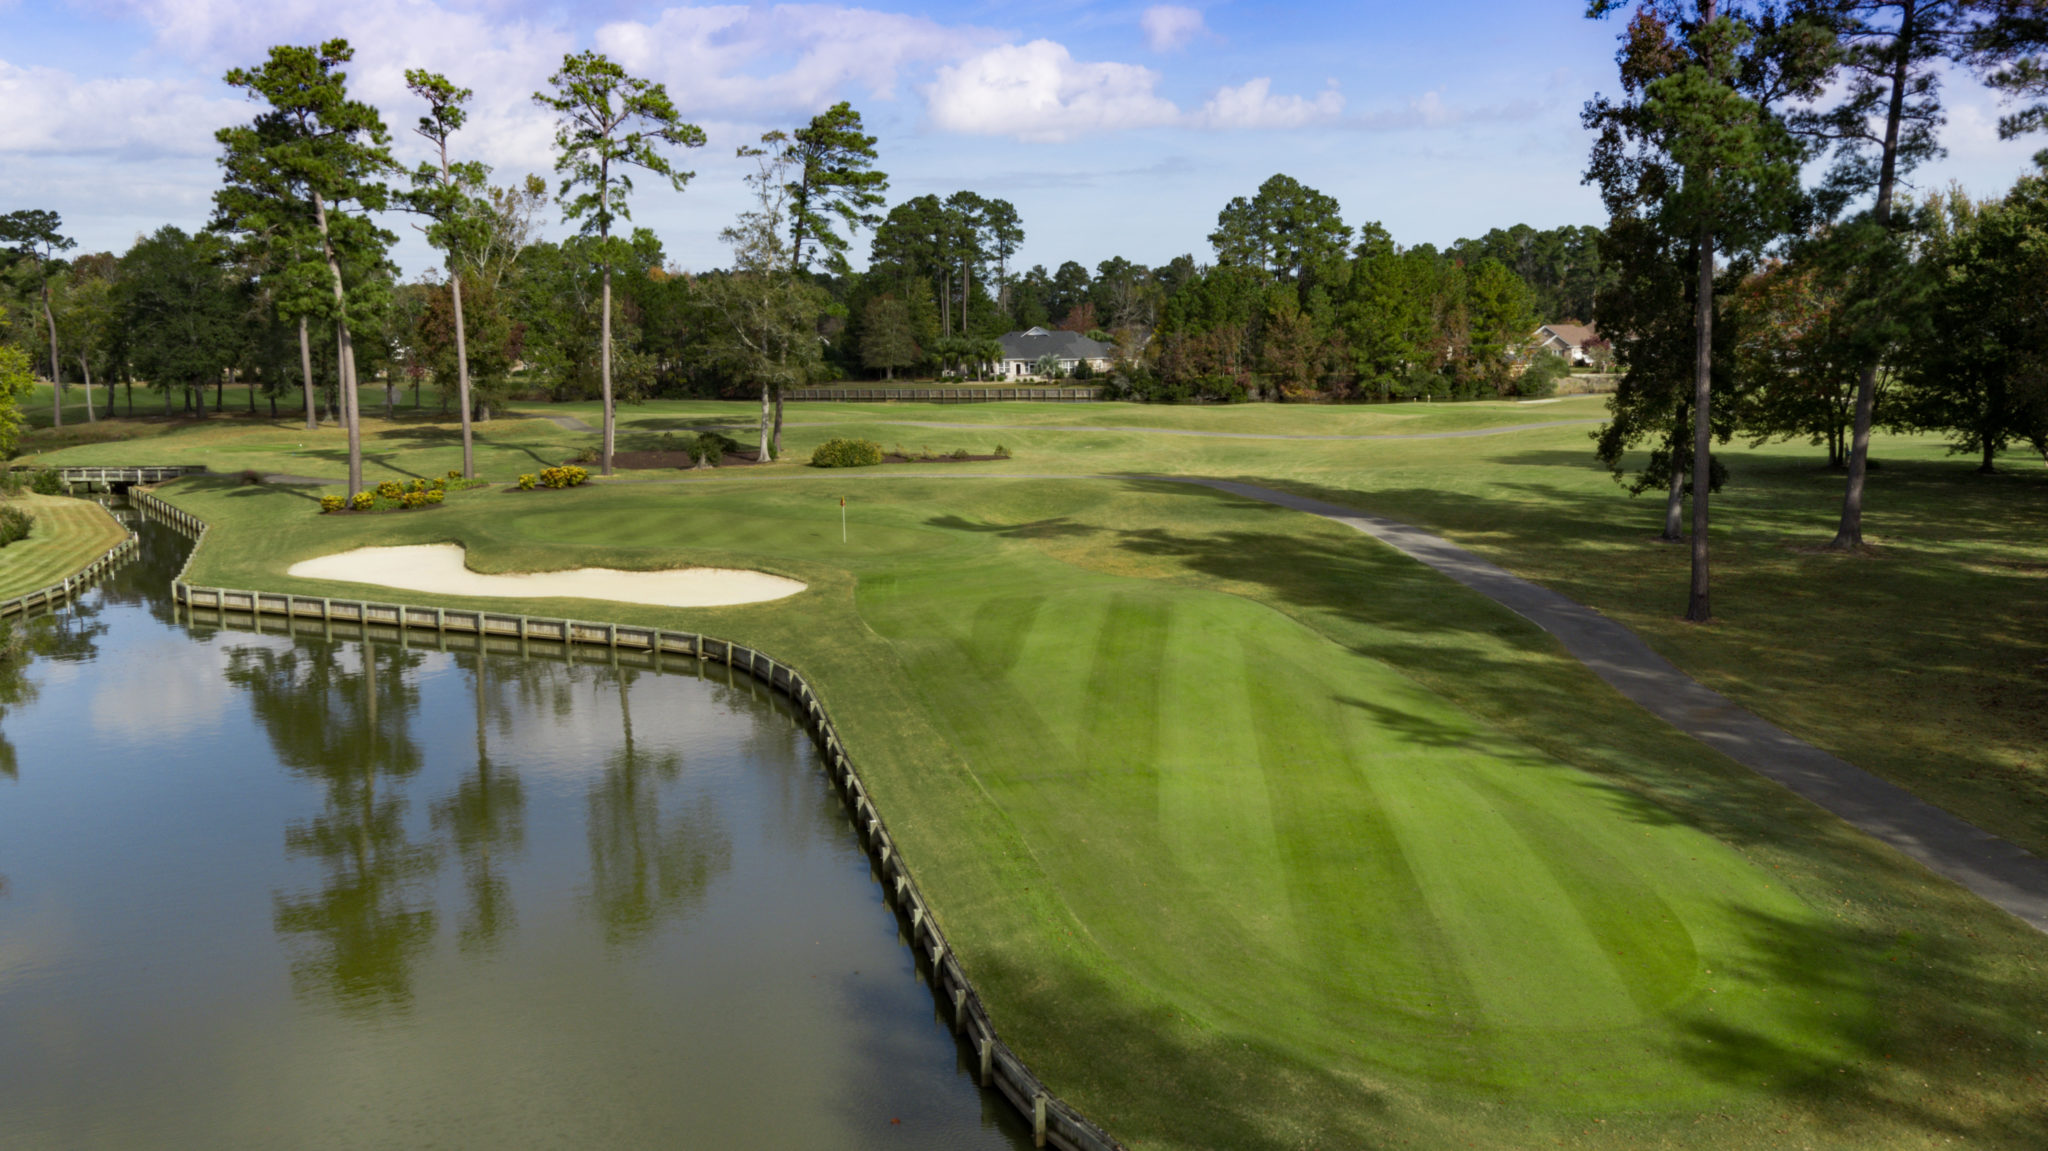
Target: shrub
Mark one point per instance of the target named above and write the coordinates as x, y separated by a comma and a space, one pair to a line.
416, 486
586, 456
412, 499
1539, 378
362, 501
526, 481
390, 490
332, 503
14, 525
1001, 452
251, 476
46, 483
711, 448
454, 474
566, 476
12, 483
435, 496
960, 453
847, 454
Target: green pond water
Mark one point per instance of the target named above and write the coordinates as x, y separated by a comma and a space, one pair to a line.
259, 891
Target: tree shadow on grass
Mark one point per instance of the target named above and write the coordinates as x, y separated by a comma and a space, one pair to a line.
250, 491
1057, 527
1948, 1045
339, 456
1149, 1077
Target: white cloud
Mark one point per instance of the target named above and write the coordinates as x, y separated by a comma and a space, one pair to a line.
53, 113
1169, 27
1039, 92
1253, 105
789, 57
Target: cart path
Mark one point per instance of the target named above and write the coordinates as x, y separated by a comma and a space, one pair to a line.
1999, 871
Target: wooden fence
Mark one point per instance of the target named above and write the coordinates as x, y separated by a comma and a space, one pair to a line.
947, 395
1053, 1122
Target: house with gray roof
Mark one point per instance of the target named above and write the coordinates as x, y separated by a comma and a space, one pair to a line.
1575, 342
1023, 350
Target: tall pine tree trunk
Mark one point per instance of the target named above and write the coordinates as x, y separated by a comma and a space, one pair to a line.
1849, 533
605, 369
85, 370
462, 377
765, 416
306, 378
351, 410
56, 363
1674, 498
1698, 608
345, 360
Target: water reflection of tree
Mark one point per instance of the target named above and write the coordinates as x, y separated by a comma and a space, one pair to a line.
647, 865
70, 635
346, 724
485, 817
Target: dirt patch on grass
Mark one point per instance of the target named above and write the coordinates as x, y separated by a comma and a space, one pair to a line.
639, 461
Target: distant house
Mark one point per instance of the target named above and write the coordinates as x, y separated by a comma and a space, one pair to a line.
1023, 350
1575, 342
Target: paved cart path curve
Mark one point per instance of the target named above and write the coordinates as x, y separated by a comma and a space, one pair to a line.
2000, 871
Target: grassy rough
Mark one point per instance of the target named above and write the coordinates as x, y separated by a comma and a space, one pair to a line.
1257, 834
68, 534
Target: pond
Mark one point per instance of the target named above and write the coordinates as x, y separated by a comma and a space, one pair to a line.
307, 892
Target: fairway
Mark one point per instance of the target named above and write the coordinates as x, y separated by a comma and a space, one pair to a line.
1252, 831
68, 534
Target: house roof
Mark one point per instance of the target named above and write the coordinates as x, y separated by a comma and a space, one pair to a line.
1573, 335
1029, 346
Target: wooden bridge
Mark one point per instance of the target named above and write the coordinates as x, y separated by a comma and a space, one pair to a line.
109, 477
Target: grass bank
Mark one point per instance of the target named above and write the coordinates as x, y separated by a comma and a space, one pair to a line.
68, 534
1257, 834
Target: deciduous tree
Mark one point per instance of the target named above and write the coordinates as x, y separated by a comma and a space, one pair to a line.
34, 234
888, 341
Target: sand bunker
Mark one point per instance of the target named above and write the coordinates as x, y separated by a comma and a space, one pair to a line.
439, 568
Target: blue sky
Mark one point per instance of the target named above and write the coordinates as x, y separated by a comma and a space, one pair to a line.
1116, 129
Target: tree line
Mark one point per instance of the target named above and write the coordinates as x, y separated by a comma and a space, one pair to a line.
290, 288
1745, 300
1738, 300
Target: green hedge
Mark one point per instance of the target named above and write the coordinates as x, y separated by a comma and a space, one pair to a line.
847, 454
14, 525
